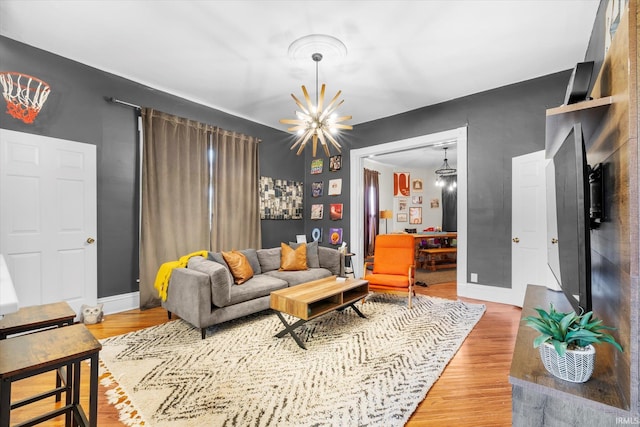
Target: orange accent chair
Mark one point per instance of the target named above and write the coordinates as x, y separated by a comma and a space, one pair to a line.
393, 264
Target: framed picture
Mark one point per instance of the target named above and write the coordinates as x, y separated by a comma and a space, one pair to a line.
335, 236
435, 203
317, 188
316, 166
335, 211
403, 205
416, 200
281, 199
335, 187
316, 234
317, 211
400, 184
415, 215
335, 163
401, 217
416, 185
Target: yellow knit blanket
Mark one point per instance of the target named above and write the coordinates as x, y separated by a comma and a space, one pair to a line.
164, 272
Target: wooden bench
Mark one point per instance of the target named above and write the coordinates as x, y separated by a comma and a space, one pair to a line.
436, 258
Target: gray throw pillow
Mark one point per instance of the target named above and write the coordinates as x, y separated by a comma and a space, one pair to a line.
252, 257
313, 261
269, 259
217, 257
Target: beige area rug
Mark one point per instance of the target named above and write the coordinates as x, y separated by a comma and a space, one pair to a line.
356, 371
435, 277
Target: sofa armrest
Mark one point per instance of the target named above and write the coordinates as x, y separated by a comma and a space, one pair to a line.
189, 295
219, 276
332, 260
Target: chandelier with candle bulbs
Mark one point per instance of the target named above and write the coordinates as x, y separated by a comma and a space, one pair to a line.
446, 174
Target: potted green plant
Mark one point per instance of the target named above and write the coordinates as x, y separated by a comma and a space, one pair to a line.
566, 342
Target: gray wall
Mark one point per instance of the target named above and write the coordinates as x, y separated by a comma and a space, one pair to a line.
502, 123
76, 110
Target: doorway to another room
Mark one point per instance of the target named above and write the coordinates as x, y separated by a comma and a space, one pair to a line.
428, 226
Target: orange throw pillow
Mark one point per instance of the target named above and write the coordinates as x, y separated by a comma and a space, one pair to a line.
239, 265
293, 259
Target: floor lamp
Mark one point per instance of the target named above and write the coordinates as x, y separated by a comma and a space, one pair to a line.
386, 215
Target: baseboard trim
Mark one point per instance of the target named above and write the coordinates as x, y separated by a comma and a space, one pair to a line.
488, 293
119, 303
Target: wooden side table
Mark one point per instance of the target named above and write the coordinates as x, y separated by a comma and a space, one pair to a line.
37, 317
32, 354
348, 264
29, 319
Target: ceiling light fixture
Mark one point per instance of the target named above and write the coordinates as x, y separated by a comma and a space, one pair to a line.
316, 122
445, 172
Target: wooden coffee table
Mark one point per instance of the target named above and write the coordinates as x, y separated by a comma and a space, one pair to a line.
312, 299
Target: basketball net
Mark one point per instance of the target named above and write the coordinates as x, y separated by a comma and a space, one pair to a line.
25, 95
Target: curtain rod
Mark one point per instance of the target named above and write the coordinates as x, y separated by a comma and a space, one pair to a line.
117, 101
137, 107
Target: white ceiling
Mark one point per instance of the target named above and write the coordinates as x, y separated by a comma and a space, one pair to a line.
232, 55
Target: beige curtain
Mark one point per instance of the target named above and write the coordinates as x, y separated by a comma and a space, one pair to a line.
175, 199
236, 202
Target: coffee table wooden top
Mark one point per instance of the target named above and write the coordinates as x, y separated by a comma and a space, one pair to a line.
37, 316
312, 299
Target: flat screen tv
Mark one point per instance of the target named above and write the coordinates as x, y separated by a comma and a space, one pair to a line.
568, 192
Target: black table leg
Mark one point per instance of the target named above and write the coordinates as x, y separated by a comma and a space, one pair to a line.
5, 402
358, 312
289, 329
93, 392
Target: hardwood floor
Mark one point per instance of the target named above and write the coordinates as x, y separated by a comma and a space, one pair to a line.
473, 390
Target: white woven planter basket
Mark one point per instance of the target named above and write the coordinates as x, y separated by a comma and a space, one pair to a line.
575, 366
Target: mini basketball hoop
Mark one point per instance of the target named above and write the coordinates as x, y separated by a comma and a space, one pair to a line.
25, 95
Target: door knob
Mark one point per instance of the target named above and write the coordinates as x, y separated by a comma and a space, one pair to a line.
554, 241
515, 240
90, 240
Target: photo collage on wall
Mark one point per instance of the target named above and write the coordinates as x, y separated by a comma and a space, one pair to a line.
408, 193
327, 192
281, 199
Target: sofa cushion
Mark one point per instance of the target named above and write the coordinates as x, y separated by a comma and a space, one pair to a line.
252, 257
313, 261
239, 266
269, 259
256, 287
331, 259
217, 257
297, 277
293, 259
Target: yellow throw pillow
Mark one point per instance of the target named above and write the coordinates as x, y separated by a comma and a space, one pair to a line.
293, 259
239, 265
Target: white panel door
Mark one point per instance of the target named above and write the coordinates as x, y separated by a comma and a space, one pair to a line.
529, 224
48, 218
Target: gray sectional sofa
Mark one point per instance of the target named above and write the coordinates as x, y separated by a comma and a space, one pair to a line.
204, 293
